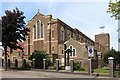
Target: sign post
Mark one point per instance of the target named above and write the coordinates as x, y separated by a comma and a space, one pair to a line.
90, 67
90, 55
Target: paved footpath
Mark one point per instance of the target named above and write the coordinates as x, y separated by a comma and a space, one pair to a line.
39, 74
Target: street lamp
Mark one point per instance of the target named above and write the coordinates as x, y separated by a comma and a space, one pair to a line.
67, 51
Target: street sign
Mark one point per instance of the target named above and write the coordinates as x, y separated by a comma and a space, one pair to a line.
90, 51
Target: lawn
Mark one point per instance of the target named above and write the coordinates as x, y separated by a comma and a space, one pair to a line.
81, 71
101, 71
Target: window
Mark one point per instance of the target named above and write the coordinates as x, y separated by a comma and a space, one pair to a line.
68, 34
101, 41
62, 33
34, 32
73, 52
41, 30
52, 48
38, 29
62, 51
52, 33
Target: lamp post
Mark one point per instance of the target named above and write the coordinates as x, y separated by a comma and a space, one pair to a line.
68, 51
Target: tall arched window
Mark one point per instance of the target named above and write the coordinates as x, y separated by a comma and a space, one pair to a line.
38, 29
71, 52
41, 30
52, 33
62, 33
34, 32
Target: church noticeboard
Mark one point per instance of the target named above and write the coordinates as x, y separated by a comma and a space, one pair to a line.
90, 51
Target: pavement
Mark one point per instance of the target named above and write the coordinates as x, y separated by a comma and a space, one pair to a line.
39, 74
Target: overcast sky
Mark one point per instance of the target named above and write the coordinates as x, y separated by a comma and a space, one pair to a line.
85, 15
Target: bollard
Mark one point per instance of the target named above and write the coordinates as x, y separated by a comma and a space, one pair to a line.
57, 65
111, 66
72, 65
33, 60
24, 63
44, 64
8, 63
89, 67
2, 62
16, 63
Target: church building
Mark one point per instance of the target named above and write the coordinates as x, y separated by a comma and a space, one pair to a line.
49, 34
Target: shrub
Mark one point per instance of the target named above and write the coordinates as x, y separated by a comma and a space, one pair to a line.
76, 66
81, 69
28, 66
54, 67
39, 56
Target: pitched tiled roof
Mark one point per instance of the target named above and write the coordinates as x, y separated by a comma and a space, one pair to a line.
21, 44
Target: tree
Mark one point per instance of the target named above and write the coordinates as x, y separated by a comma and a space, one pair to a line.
13, 30
39, 56
114, 9
112, 53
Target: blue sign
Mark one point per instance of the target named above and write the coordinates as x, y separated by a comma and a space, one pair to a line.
90, 51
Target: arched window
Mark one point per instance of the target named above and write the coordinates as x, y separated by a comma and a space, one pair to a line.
71, 52
68, 34
62, 33
52, 33
41, 30
34, 32
38, 29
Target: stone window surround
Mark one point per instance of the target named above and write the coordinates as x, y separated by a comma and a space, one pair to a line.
39, 31
72, 50
62, 30
53, 36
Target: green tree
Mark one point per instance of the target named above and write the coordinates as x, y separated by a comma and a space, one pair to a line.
112, 53
39, 56
13, 30
114, 9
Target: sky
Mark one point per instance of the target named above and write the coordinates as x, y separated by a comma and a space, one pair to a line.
85, 15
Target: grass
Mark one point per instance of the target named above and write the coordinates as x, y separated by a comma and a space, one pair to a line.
82, 71
101, 71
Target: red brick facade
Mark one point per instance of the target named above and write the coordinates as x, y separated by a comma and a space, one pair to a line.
55, 33
102, 42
